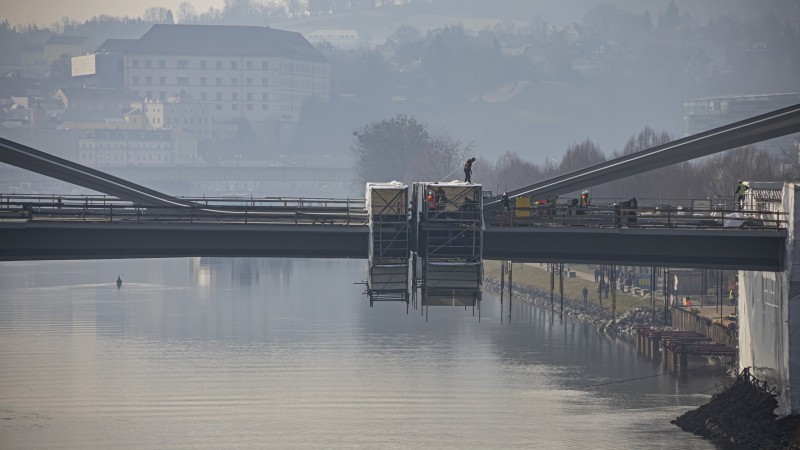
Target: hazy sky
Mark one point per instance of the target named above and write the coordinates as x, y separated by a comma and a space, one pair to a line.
45, 12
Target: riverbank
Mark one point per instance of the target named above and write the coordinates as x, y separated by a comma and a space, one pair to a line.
532, 284
741, 416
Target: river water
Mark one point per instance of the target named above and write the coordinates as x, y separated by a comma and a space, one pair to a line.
269, 353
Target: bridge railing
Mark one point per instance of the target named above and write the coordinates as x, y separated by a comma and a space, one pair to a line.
662, 216
297, 211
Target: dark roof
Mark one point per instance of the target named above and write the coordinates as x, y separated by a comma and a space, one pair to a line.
66, 40
224, 40
116, 45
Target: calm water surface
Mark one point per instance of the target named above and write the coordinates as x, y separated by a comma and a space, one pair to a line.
252, 353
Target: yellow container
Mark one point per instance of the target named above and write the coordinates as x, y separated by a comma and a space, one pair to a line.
522, 207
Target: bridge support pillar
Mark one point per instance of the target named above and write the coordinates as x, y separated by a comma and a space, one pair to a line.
769, 309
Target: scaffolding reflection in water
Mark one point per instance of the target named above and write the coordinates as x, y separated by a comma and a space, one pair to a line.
440, 233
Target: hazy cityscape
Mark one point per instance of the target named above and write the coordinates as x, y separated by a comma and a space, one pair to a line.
216, 303
504, 89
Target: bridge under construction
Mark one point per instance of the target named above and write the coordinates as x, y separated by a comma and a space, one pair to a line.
434, 236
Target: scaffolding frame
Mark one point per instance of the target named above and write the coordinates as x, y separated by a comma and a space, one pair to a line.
448, 244
388, 264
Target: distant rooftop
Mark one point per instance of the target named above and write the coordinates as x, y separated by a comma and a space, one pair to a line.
66, 40
750, 97
224, 40
116, 45
131, 135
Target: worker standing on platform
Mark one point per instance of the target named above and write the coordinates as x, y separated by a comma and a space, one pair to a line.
506, 203
468, 170
741, 188
585, 200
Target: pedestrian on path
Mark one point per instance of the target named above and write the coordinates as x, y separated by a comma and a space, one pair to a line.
585, 295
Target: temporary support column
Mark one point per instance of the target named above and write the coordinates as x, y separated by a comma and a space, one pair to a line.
388, 211
450, 242
613, 295
552, 284
510, 273
561, 288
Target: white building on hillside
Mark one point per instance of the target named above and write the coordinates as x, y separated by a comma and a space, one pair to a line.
255, 73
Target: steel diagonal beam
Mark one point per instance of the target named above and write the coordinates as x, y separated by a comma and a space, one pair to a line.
46, 164
756, 129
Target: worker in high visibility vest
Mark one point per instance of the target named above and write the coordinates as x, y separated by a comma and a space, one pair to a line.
585, 202
730, 296
431, 201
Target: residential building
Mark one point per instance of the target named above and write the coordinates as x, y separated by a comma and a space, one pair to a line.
259, 74
177, 112
154, 148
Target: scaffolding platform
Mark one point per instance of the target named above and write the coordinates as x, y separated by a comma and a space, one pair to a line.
388, 263
448, 243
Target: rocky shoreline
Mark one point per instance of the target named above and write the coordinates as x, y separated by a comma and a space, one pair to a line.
595, 315
742, 416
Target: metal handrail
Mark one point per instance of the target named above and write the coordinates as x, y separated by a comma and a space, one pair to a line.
615, 217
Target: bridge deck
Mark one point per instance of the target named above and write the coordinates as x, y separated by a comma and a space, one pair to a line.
101, 227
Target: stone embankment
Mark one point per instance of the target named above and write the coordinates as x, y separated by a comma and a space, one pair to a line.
626, 322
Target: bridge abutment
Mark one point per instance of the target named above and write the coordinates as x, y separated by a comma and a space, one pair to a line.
769, 313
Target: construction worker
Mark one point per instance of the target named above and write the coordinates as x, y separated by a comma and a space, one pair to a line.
551, 205
730, 296
468, 170
585, 202
506, 203
431, 201
741, 188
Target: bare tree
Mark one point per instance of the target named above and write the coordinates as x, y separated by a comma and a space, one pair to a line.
387, 150
578, 156
722, 172
511, 172
157, 14
186, 13
442, 159
651, 184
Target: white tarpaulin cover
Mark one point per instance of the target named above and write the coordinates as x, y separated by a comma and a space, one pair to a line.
769, 319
